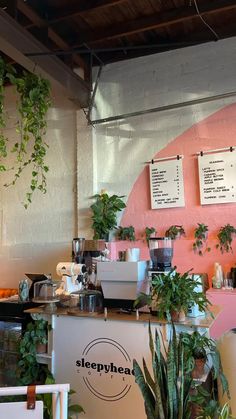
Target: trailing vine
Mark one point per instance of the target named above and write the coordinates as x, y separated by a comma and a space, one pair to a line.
31, 148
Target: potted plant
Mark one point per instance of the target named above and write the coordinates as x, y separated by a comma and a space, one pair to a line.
104, 214
200, 235
167, 390
199, 349
175, 231
149, 232
126, 233
225, 238
216, 412
172, 294
29, 370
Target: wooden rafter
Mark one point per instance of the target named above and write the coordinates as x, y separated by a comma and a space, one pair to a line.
83, 7
30, 13
155, 21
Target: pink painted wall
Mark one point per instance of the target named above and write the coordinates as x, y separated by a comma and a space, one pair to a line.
216, 131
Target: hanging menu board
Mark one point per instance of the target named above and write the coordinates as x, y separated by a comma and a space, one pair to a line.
166, 184
217, 174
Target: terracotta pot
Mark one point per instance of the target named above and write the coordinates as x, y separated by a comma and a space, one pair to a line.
198, 370
41, 348
174, 316
178, 316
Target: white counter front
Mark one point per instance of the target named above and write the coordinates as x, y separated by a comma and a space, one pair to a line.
95, 355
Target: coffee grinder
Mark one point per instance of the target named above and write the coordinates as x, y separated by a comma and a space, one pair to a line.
161, 254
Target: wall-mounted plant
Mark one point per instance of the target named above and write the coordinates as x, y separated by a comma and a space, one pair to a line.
200, 244
126, 233
225, 238
149, 231
105, 209
175, 231
32, 105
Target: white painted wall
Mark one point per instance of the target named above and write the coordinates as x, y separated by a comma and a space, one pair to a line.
120, 148
36, 239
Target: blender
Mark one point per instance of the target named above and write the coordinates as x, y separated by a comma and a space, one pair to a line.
161, 254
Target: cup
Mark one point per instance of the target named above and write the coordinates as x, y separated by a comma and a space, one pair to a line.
132, 255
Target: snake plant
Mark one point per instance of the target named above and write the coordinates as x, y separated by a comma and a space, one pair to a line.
166, 392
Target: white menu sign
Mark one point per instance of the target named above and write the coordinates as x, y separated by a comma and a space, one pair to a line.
166, 184
217, 175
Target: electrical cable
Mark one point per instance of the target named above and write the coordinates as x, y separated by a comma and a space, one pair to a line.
203, 20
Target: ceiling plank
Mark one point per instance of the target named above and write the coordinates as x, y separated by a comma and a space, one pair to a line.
155, 21
30, 13
16, 42
83, 7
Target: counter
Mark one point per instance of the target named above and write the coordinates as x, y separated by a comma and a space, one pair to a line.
227, 317
95, 355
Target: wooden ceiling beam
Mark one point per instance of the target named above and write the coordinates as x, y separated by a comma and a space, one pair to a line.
29, 12
82, 8
16, 43
155, 21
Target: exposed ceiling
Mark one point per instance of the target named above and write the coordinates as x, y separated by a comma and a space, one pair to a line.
84, 33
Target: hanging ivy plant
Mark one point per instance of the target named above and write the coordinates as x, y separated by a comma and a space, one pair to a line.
31, 148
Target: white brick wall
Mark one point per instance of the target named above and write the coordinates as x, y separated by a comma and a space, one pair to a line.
36, 239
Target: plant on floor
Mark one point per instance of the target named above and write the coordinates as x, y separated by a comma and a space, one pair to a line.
30, 150
225, 238
175, 231
213, 411
73, 409
126, 233
200, 244
104, 214
29, 370
149, 231
200, 347
166, 391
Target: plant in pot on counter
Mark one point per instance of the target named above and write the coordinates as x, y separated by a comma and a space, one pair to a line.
172, 294
200, 235
126, 233
175, 232
225, 238
104, 214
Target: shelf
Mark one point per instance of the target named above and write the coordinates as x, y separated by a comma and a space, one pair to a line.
9, 352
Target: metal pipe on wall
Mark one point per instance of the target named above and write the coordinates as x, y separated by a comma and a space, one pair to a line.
162, 108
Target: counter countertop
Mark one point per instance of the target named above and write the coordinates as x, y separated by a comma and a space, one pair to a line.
205, 321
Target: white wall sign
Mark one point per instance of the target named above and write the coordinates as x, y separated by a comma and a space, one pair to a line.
217, 174
166, 184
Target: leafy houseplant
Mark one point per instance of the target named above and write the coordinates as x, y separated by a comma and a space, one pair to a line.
200, 235
175, 292
29, 371
199, 347
166, 392
149, 231
31, 148
217, 413
105, 209
225, 238
126, 233
32, 372
174, 232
